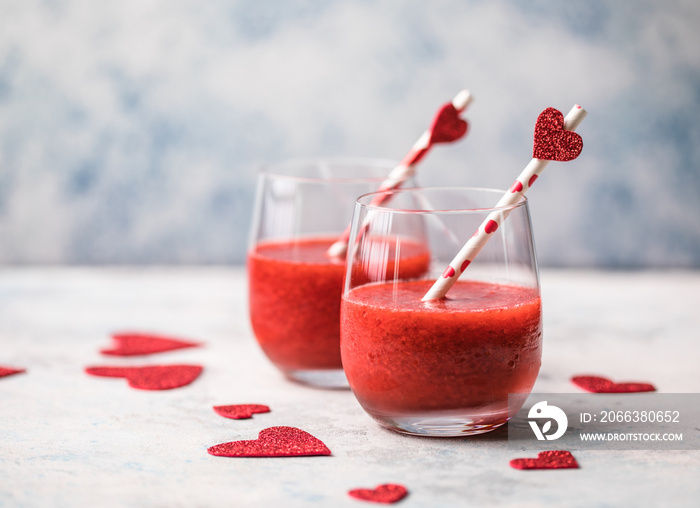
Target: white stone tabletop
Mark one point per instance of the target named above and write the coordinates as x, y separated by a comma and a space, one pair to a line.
72, 440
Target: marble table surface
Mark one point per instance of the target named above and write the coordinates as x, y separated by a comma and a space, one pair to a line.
71, 440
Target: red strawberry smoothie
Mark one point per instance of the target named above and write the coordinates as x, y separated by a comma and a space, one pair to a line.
459, 355
294, 294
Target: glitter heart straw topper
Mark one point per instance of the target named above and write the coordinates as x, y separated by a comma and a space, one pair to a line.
447, 126
554, 140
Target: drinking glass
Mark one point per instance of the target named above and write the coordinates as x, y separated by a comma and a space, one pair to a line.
443, 367
302, 207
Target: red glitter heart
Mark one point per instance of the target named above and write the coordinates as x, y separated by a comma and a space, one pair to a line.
552, 141
8, 371
154, 377
273, 442
553, 459
134, 344
447, 126
241, 411
597, 384
387, 493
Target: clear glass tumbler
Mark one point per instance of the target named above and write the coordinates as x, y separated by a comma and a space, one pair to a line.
302, 207
443, 367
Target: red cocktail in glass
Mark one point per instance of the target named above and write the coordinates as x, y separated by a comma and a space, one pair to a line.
295, 287
443, 367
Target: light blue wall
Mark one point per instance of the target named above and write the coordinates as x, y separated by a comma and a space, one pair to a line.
130, 131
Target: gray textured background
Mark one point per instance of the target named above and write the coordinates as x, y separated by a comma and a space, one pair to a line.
130, 131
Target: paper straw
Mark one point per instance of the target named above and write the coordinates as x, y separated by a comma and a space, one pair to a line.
405, 169
493, 221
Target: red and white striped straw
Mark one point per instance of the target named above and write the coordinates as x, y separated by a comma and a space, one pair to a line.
407, 167
492, 222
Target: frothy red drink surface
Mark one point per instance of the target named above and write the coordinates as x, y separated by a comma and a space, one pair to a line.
294, 293
468, 350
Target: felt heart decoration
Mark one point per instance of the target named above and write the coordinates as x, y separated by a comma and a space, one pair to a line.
273, 442
597, 384
553, 459
241, 411
552, 141
154, 377
447, 126
133, 344
7, 371
387, 493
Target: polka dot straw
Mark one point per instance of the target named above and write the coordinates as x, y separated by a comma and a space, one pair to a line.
563, 146
447, 126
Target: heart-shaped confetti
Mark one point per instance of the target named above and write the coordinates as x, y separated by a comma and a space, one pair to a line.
153, 377
134, 344
447, 126
241, 411
553, 459
8, 371
552, 141
273, 442
598, 384
387, 493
